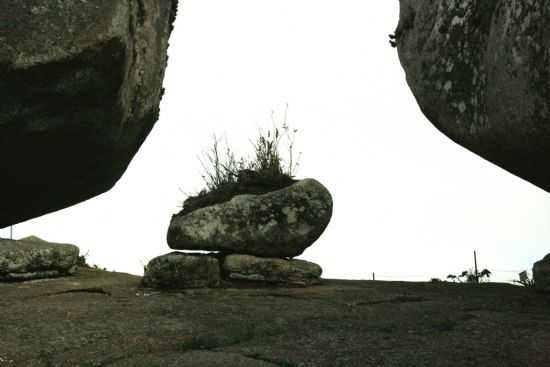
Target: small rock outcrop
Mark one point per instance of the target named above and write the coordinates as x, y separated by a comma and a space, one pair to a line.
80, 86
32, 258
480, 71
270, 270
181, 270
541, 274
281, 223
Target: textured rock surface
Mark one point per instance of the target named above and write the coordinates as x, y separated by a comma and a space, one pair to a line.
281, 223
270, 270
33, 258
80, 85
69, 322
541, 273
480, 71
180, 270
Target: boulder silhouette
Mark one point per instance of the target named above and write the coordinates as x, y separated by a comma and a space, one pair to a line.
480, 71
80, 86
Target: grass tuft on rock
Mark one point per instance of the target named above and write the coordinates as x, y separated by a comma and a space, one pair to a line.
226, 176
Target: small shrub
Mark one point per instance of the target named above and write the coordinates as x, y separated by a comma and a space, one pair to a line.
81, 261
226, 175
468, 276
524, 280
453, 278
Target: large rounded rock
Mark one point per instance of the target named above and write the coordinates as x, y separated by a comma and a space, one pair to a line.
271, 270
33, 258
541, 274
282, 223
181, 270
480, 71
80, 86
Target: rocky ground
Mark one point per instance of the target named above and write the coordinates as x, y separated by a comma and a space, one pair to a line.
99, 318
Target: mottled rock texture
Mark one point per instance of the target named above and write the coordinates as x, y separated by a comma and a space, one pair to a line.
282, 223
180, 270
80, 86
541, 274
271, 270
69, 322
33, 258
480, 71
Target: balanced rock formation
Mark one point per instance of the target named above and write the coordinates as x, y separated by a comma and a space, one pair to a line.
33, 258
281, 223
255, 234
541, 274
270, 270
181, 270
480, 71
80, 86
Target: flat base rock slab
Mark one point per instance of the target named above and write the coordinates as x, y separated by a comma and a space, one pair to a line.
281, 223
33, 258
352, 323
182, 270
270, 270
541, 274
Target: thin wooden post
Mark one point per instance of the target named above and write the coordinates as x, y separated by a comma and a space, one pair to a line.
373, 278
475, 267
11, 232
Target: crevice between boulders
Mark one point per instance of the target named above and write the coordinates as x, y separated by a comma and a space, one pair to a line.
96, 290
397, 299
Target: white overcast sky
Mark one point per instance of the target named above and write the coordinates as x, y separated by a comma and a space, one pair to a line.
408, 203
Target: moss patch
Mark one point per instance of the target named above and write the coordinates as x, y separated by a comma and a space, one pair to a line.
248, 182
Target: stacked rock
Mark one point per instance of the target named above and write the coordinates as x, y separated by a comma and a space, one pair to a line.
33, 258
254, 238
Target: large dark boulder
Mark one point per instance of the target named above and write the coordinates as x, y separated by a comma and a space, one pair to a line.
80, 86
541, 274
480, 71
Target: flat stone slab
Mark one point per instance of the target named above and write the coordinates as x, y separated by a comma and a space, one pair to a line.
33, 258
281, 223
68, 322
271, 270
182, 270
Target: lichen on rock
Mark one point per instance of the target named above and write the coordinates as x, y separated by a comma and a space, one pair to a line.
182, 270
480, 71
33, 258
80, 86
271, 270
281, 223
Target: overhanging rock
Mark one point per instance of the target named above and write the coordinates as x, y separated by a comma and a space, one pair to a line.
480, 71
80, 86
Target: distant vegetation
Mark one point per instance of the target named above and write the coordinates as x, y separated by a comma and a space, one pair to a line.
468, 276
226, 175
524, 280
82, 262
